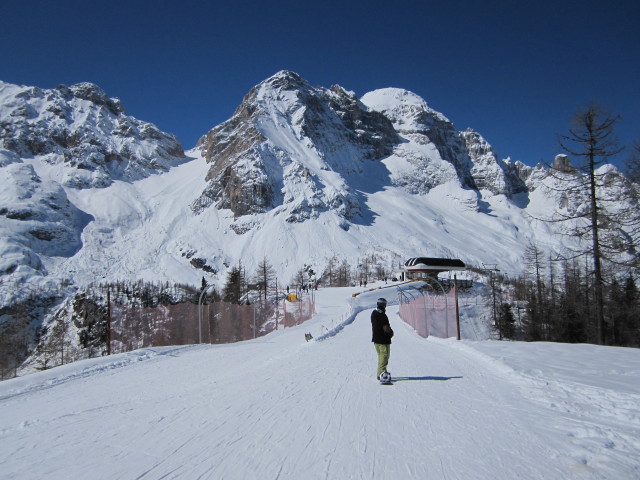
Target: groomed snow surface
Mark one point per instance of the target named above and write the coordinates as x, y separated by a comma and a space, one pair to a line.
280, 408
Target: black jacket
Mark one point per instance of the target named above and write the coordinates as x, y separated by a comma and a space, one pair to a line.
380, 327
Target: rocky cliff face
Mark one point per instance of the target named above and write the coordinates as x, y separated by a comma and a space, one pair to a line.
78, 138
439, 149
293, 147
84, 131
302, 150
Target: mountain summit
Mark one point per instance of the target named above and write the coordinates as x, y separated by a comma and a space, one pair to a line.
432, 152
296, 149
303, 150
85, 132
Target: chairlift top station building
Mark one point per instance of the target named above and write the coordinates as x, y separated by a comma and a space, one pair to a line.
428, 268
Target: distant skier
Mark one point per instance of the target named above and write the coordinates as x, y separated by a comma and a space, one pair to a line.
382, 334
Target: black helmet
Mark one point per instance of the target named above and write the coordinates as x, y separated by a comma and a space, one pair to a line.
382, 303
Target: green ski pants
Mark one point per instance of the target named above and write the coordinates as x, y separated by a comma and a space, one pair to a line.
383, 356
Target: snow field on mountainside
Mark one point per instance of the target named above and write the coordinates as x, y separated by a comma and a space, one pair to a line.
279, 407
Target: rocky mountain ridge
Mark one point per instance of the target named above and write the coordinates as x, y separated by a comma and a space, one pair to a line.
257, 152
292, 147
84, 130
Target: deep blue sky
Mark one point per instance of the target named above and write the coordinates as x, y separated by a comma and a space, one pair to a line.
514, 71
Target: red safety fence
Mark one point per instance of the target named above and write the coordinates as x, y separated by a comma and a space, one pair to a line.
133, 327
430, 313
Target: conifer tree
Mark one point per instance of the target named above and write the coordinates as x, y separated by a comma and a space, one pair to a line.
592, 140
265, 275
234, 286
344, 274
330, 270
506, 321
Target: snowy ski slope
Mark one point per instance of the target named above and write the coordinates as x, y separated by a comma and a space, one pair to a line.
280, 408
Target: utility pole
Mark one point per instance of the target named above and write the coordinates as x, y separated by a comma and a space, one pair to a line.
108, 321
205, 291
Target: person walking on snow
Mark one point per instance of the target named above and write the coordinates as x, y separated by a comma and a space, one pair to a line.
382, 334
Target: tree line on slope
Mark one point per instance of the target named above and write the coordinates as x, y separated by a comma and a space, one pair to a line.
79, 328
595, 299
554, 301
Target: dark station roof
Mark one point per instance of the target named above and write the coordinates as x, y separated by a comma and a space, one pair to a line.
429, 263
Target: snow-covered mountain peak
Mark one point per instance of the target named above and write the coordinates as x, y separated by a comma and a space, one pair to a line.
294, 146
85, 133
284, 80
95, 94
405, 109
438, 152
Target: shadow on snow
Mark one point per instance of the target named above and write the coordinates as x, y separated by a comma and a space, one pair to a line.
402, 379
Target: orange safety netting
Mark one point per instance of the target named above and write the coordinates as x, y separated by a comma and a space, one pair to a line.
133, 327
430, 314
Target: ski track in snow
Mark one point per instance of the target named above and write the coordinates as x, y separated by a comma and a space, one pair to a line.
280, 408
